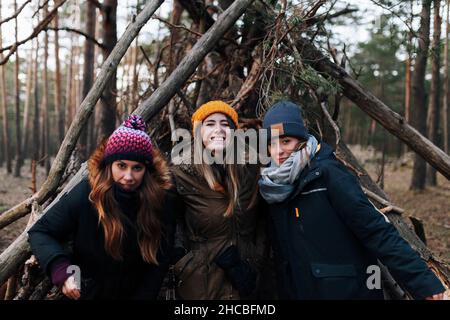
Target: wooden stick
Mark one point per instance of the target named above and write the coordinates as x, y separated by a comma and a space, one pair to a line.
389, 207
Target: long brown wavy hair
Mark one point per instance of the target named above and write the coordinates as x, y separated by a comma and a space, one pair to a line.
151, 193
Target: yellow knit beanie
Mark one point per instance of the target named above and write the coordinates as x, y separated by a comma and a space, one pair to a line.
211, 107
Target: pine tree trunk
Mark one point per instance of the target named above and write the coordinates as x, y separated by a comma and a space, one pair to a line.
26, 108
408, 75
107, 114
4, 109
45, 105
59, 112
69, 107
446, 93
435, 90
36, 140
93, 132
418, 119
2, 154
88, 72
18, 163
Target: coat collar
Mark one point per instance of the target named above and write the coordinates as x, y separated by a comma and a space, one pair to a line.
314, 170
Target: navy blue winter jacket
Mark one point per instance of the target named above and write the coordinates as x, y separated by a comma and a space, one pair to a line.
328, 233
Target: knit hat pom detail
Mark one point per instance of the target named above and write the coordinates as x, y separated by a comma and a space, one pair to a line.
129, 142
135, 122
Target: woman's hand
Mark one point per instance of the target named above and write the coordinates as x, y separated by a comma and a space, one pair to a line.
70, 288
439, 296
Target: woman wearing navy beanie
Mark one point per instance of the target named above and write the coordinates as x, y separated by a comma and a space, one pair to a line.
326, 233
119, 220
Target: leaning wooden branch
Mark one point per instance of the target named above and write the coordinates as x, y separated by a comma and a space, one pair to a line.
249, 83
375, 108
84, 111
19, 250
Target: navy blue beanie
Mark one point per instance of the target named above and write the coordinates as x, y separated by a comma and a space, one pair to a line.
287, 117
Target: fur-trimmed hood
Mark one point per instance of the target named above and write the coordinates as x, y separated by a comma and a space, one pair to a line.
159, 166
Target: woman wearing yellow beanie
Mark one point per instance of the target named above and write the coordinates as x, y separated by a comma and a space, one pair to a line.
220, 225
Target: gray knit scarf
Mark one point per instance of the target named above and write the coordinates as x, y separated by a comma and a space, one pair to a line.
277, 182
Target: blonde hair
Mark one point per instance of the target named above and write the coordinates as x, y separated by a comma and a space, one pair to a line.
230, 186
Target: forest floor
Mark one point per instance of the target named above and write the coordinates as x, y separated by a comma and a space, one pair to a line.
432, 205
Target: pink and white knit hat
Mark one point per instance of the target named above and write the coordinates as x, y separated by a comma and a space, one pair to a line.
129, 142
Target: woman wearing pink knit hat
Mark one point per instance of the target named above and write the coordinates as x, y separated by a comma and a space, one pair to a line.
119, 220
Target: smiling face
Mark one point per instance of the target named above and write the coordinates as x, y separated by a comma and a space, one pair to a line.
128, 174
215, 131
280, 149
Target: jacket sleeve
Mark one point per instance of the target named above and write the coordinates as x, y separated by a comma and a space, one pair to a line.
378, 235
48, 234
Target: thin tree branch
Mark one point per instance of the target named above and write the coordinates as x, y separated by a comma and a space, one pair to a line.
198, 34
16, 13
323, 105
40, 7
310, 21
384, 202
405, 22
90, 38
41, 26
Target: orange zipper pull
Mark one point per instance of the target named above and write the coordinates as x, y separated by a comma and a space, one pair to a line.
297, 214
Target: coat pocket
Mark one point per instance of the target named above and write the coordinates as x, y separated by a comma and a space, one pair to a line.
189, 273
335, 281
183, 264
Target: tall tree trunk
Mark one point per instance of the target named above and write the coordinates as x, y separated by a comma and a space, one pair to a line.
18, 163
88, 73
4, 109
36, 140
446, 99
108, 107
2, 155
59, 111
45, 106
418, 119
435, 90
26, 108
69, 105
93, 132
408, 73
